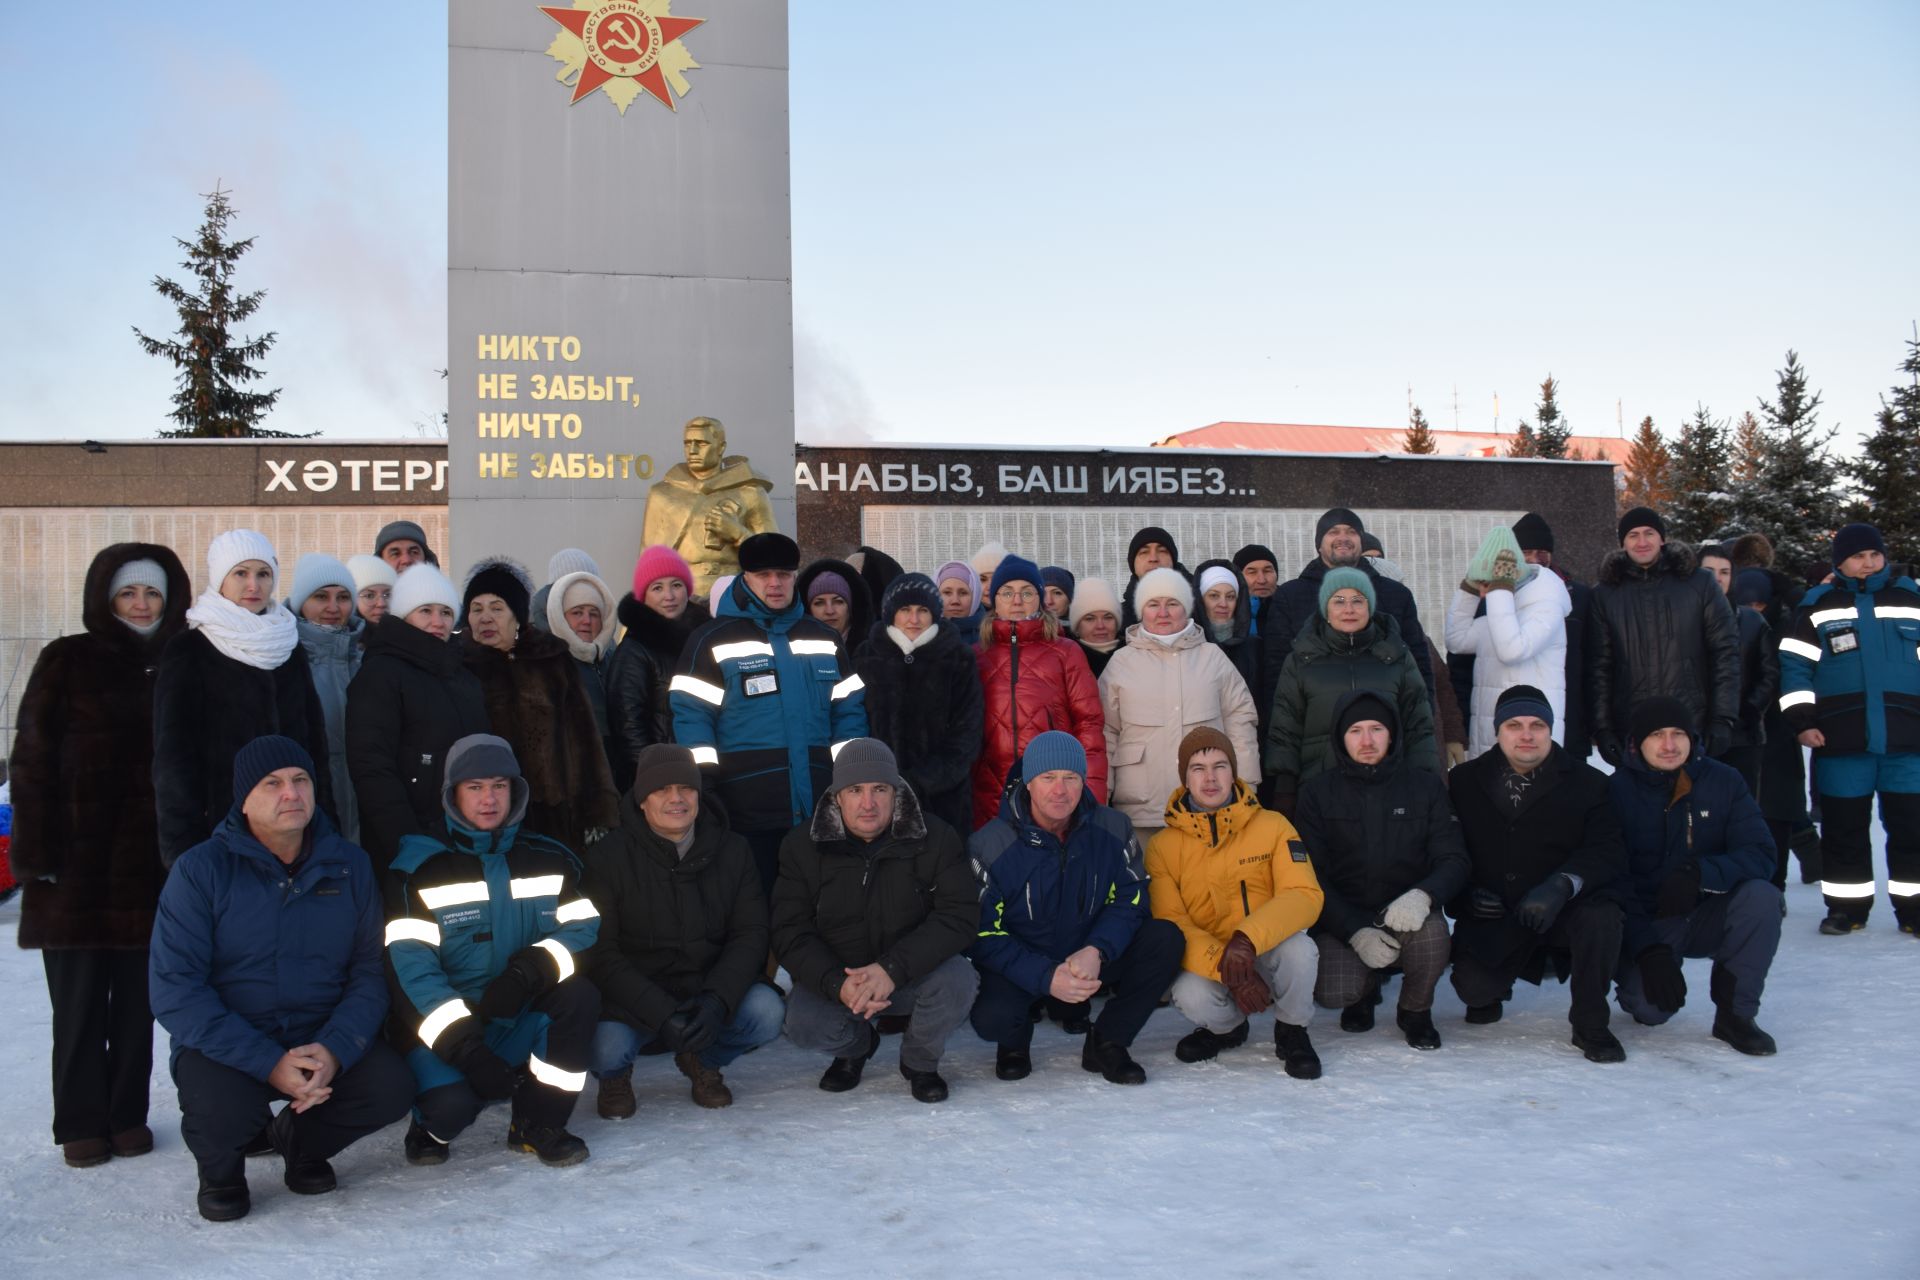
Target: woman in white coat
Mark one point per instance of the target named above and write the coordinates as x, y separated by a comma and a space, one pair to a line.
1519, 638
1167, 679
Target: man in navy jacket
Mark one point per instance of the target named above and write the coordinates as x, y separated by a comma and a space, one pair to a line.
1063, 910
1699, 867
266, 970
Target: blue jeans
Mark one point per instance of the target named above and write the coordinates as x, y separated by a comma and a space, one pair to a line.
754, 1023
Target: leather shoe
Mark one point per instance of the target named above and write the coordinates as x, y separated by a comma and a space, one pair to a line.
1012, 1064
225, 1204
843, 1074
927, 1085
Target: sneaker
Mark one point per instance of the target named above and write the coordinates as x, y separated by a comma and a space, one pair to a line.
1743, 1035
1010, 1063
422, 1147
1291, 1046
843, 1074
1418, 1027
555, 1146
1839, 923
85, 1153
1202, 1045
927, 1085
1112, 1061
1600, 1045
136, 1141
1357, 1016
224, 1204
306, 1175
709, 1090
1482, 1014
616, 1100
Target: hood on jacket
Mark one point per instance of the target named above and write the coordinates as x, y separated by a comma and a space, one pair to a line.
908, 822
466, 837
403, 640
1137, 636
1242, 602
859, 606
556, 619
739, 602
878, 568
1213, 827
659, 633
1338, 739
1381, 636
1676, 559
97, 614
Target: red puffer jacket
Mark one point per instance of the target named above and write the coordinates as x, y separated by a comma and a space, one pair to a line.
1033, 684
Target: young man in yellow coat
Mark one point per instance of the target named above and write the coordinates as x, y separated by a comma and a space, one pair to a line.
1236, 879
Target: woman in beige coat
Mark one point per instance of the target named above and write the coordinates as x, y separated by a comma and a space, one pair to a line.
1165, 680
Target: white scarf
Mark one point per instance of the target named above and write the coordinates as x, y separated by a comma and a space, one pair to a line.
143, 630
263, 640
1157, 638
920, 641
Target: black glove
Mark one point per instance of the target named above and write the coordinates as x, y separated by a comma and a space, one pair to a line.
1544, 902
1485, 904
1661, 979
1609, 748
518, 983
484, 1069
695, 1024
1679, 893
1719, 738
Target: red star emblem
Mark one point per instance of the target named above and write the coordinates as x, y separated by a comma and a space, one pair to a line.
623, 40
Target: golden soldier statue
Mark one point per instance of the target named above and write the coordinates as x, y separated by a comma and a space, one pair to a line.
705, 507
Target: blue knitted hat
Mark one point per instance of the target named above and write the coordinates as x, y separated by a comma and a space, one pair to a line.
1053, 750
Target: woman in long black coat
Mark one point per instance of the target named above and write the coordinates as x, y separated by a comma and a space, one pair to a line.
410, 701
923, 698
657, 618
86, 847
236, 673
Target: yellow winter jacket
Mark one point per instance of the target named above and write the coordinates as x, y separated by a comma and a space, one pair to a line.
1239, 869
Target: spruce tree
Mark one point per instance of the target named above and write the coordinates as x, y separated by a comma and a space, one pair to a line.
1524, 443
1419, 434
216, 365
1749, 510
1648, 471
1701, 478
1890, 465
1796, 482
1552, 432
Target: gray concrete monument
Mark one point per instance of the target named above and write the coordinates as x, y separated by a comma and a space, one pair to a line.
619, 263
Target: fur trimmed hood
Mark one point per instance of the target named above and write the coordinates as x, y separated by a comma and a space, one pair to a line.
1676, 559
658, 634
908, 822
97, 614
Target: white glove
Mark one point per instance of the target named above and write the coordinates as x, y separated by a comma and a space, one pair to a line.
1375, 946
1407, 912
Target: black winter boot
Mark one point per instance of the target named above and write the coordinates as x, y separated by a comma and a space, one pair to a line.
927, 1085
554, 1145
1111, 1060
1482, 1014
1291, 1046
1419, 1028
422, 1147
305, 1175
1743, 1035
225, 1204
1599, 1045
1202, 1045
1012, 1063
1839, 924
843, 1074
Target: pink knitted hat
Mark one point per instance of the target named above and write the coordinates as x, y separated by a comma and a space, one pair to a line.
656, 563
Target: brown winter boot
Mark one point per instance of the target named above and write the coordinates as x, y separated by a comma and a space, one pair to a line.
616, 1097
709, 1090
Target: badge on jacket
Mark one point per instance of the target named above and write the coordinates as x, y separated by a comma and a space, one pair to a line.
1843, 640
762, 685
1298, 848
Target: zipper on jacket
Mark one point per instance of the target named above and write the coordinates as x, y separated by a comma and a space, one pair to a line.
1013, 686
1246, 906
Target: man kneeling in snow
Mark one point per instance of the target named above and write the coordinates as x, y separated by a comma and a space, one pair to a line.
265, 970
486, 961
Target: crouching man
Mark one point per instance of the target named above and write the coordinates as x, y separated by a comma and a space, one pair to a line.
265, 971
1545, 846
1387, 851
1064, 910
1699, 858
683, 936
486, 962
874, 904
1237, 881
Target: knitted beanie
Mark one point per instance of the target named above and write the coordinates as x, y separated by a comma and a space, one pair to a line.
314, 571
400, 531
1092, 595
1152, 533
499, 577
138, 573
1650, 715
422, 584
662, 764
907, 590
1205, 738
570, 560
1014, 569
1218, 576
236, 546
657, 562
1338, 515
865, 760
1162, 582
263, 756
1533, 533
1522, 700
1855, 538
1054, 576
984, 561
1642, 518
370, 571
828, 583
1050, 751
1253, 553
1358, 579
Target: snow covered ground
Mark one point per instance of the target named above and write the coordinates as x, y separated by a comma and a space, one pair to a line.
1503, 1154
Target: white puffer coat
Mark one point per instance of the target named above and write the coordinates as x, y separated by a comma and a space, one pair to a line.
1521, 639
1152, 694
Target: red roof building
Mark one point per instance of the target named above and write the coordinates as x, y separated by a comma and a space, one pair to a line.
1290, 437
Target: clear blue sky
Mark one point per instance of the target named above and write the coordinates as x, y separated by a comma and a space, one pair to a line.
1073, 222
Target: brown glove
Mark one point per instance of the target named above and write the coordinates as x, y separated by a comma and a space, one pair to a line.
1506, 572
1237, 971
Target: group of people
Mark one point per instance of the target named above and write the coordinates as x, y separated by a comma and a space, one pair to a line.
384, 846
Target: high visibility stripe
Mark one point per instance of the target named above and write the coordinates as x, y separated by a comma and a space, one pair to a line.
705, 755
548, 1074
833, 752
1905, 612
741, 649
1833, 889
535, 886
1903, 888
453, 895
1834, 615
1798, 698
561, 956
442, 1018
578, 909
1800, 648
407, 929
700, 689
851, 685
813, 646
